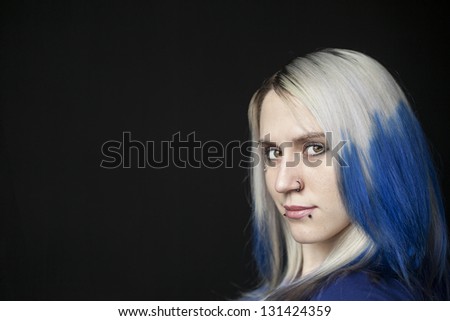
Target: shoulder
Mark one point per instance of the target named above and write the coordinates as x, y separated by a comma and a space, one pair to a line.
363, 286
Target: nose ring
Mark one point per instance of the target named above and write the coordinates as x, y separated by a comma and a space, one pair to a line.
300, 187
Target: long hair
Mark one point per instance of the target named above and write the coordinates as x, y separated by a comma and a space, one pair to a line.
389, 186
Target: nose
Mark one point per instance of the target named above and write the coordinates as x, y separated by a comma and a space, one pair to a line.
289, 176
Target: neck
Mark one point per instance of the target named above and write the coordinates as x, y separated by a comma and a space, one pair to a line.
314, 255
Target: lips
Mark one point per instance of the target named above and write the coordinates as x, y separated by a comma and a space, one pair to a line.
298, 212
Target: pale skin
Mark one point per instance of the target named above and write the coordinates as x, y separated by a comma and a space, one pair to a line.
318, 231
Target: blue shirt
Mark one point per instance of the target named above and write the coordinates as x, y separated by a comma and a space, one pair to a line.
360, 286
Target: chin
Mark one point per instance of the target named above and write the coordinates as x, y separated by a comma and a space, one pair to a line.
304, 238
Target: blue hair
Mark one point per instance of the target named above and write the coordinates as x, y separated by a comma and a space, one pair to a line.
262, 251
393, 195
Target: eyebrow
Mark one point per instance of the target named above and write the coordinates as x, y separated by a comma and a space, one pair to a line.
298, 140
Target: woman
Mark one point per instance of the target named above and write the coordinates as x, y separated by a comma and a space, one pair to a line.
346, 205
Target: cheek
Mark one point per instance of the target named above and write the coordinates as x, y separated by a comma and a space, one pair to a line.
323, 185
332, 202
322, 180
270, 184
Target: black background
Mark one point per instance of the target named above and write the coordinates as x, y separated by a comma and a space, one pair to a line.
76, 74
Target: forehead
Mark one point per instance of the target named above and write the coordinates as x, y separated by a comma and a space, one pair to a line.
285, 119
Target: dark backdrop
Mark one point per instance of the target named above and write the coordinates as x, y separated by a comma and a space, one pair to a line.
76, 74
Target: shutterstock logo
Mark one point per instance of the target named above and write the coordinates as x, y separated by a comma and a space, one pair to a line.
177, 152
188, 152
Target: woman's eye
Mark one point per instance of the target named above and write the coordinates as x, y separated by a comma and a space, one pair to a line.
272, 153
314, 149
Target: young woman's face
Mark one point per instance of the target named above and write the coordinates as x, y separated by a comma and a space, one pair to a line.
301, 183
